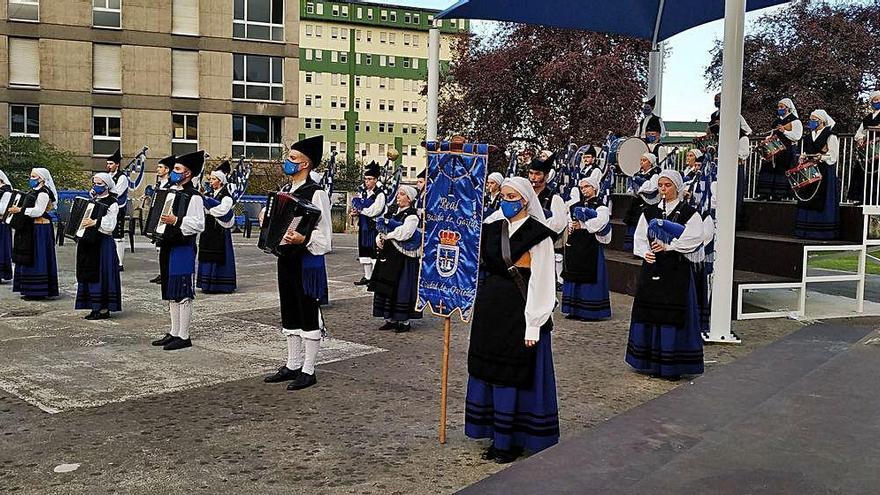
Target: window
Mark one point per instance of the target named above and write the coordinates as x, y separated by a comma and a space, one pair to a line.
357, 126
407, 18
357, 58
308, 100
369, 36
357, 103
368, 103
343, 81
257, 77
406, 63
319, 54
185, 17
256, 136
318, 124
381, 126
412, 152
383, 37
258, 19
345, 11
24, 10
393, 16
360, 13
391, 127
184, 74
367, 125
334, 102
382, 60
384, 15
383, 83
334, 33
370, 14
334, 56
390, 105
357, 34
334, 79
24, 121
309, 77
310, 30
317, 101
24, 62
415, 63
343, 57
107, 68
105, 131
319, 31
415, 40
310, 8
392, 38
107, 13
332, 125
392, 61
417, 19
343, 102
405, 106
336, 11
357, 81
184, 133
407, 40
369, 59
308, 123
319, 8
343, 34
390, 83
309, 54
382, 105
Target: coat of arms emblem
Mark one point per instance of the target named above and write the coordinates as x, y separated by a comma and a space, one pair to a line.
447, 253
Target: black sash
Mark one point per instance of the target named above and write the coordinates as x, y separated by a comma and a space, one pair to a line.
88, 249
212, 242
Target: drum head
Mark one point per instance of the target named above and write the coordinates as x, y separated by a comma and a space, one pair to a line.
629, 154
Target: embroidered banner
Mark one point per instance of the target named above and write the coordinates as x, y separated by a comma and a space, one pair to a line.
453, 223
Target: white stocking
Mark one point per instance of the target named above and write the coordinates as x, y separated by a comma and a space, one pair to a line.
294, 352
175, 318
186, 311
120, 249
312, 348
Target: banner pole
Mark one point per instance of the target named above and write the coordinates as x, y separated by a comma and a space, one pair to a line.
444, 378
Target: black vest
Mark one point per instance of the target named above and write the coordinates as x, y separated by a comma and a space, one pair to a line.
782, 121
212, 242
173, 235
23, 243
662, 294
581, 259
391, 262
816, 147
88, 248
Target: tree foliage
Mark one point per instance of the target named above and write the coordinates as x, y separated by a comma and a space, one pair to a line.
18, 155
543, 85
820, 54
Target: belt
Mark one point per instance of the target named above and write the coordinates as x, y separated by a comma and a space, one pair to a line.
42, 220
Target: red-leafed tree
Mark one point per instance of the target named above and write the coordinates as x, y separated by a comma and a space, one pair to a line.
820, 54
544, 86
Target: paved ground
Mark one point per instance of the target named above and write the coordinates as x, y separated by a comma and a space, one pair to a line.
138, 420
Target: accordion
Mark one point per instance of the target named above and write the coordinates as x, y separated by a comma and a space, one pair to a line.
286, 212
16, 198
167, 202
82, 210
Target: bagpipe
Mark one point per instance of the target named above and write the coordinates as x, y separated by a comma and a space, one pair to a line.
326, 182
391, 191
389, 182
138, 167
664, 230
411, 247
239, 178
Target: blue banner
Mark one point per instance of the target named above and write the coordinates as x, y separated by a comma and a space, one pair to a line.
453, 224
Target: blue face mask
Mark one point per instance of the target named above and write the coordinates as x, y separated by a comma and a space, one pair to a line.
511, 209
34, 183
99, 189
717, 104
875, 105
291, 167
813, 124
651, 139
647, 110
781, 112
175, 177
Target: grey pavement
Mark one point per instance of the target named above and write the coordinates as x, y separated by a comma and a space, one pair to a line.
92, 408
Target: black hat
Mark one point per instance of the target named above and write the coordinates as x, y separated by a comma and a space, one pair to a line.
224, 167
591, 151
651, 101
168, 161
116, 157
543, 165
312, 147
423, 174
192, 161
372, 170
653, 126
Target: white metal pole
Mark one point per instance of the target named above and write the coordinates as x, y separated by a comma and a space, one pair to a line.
655, 76
731, 106
433, 82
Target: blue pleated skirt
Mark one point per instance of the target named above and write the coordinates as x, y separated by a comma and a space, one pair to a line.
589, 301
825, 224
401, 305
366, 237
628, 239
106, 293
701, 281
667, 350
177, 266
5, 252
516, 417
218, 278
41, 278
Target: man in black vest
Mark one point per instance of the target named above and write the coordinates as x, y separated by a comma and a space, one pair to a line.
540, 169
121, 192
651, 123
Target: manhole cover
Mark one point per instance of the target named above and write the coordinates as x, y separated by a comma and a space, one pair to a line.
19, 313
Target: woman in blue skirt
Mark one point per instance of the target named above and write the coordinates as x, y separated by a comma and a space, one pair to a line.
585, 293
511, 390
5, 230
33, 247
395, 282
216, 256
664, 332
818, 212
97, 266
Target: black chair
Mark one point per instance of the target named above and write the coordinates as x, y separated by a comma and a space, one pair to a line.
251, 212
62, 214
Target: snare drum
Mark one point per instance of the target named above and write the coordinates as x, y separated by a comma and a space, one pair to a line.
806, 173
771, 147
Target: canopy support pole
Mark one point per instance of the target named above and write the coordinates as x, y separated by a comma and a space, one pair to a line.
655, 75
433, 82
720, 330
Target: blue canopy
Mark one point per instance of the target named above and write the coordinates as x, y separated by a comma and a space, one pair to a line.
653, 20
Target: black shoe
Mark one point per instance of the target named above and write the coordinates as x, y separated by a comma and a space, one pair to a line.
402, 328
33, 298
93, 315
362, 281
121, 268
177, 343
304, 380
156, 280
507, 456
389, 325
490, 454
282, 375
104, 314
164, 340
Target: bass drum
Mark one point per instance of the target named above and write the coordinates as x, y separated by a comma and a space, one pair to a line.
629, 155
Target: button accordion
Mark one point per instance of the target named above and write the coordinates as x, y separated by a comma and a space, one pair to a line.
16, 198
167, 202
82, 210
286, 212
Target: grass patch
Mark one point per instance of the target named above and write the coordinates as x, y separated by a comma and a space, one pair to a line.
846, 262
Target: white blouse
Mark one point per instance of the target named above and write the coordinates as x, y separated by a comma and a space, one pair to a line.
862, 133
108, 221
194, 220
595, 225
689, 243
223, 208
405, 231
377, 208
541, 293
796, 132
39, 207
833, 153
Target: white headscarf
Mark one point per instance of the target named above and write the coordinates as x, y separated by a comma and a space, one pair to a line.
524, 188
107, 179
824, 117
745, 126
47, 180
651, 158
220, 175
498, 178
790, 105
676, 179
875, 94
410, 191
592, 180
697, 153
4, 179
314, 175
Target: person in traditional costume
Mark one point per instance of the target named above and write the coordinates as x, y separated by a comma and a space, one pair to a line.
818, 215
664, 333
585, 292
871, 120
120, 191
493, 194
395, 282
99, 288
367, 207
743, 151
648, 169
421, 184
650, 123
5, 230
301, 271
694, 180
541, 170
772, 181
33, 245
216, 255
589, 167
511, 389
162, 169
177, 250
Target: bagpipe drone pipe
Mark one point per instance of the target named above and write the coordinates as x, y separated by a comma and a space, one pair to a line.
585, 214
137, 167
411, 247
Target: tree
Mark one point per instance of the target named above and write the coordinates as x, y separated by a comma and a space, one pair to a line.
544, 86
18, 155
820, 54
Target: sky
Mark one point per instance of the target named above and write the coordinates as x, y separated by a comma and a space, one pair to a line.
685, 96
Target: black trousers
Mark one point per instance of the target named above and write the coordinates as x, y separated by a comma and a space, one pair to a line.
298, 310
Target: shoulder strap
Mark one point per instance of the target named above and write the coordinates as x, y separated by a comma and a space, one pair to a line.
511, 268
